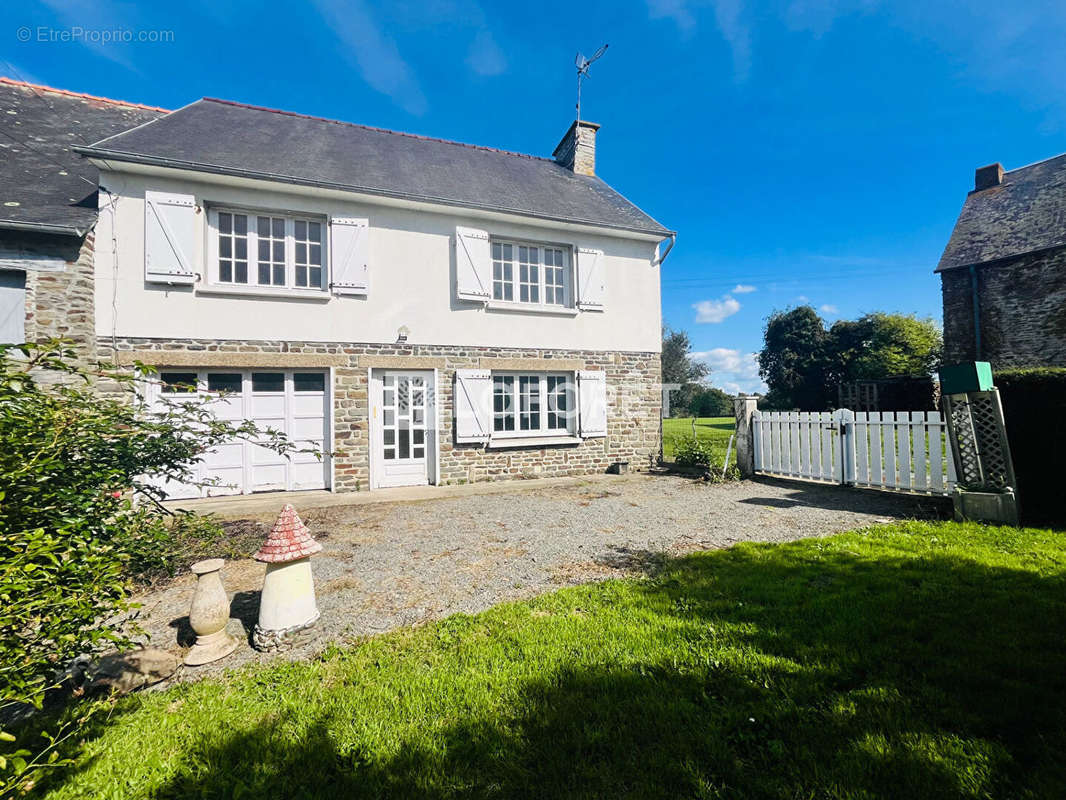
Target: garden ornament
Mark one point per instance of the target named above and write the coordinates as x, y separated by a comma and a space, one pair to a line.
287, 607
209, 615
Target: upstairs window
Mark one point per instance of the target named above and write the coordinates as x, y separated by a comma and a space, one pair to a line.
272, 251
529, 273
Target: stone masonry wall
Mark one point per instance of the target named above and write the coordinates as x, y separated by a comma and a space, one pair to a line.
1022, 310
633, 400
60, 304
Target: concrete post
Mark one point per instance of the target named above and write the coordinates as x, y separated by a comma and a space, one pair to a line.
744, 406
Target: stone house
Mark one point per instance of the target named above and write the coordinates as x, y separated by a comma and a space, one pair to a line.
1003, 272
48, 208
424, 311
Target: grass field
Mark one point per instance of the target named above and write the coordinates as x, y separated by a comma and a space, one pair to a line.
919, 660
715, 430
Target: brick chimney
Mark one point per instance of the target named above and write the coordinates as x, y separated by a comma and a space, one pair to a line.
577, 150
987, 177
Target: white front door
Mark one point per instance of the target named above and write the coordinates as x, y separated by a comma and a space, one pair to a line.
403, 417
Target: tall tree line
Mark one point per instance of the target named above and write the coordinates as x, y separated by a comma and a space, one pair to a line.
803, 360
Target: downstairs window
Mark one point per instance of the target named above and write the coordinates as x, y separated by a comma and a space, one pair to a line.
533, 404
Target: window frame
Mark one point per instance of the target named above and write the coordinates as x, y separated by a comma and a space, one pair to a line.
515, 412
541, 286
252, 286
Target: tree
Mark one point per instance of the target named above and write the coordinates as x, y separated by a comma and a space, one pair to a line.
710, 401
802, 362
793, 359
678, 367
881, 345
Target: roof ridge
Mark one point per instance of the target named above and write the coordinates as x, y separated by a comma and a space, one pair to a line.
1034, 163
83, 95
376, 129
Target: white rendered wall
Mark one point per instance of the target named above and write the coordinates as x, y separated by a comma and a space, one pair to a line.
411, 277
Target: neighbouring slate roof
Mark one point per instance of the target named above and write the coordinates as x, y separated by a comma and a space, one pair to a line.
1026, 212
55, 188
237, 139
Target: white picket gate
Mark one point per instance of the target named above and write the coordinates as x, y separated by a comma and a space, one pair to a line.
900, 451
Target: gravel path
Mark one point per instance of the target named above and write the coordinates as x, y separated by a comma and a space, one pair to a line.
393, 564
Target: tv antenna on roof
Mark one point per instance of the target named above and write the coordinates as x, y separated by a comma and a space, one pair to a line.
583, 65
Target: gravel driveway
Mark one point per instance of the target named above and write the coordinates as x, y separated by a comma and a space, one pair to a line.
392, 564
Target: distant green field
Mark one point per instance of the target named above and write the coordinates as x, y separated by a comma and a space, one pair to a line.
715, 430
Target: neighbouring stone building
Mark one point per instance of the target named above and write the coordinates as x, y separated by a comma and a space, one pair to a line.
48, 208
422, 311
1003, 272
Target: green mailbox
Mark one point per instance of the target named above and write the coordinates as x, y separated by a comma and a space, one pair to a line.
973, 376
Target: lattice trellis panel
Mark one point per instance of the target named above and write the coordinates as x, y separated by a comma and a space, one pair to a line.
979, 440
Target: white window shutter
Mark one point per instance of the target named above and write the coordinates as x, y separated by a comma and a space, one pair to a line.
591, 285
12, 307
592, 402
349, 255
169, 237
473, 405
473, 265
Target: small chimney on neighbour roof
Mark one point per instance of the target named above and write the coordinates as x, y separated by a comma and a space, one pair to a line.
577, 149
987, 177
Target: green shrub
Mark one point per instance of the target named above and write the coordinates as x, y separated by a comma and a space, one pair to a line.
692, 452
1034, 409
72, 462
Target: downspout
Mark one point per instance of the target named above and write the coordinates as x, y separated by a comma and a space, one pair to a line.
976, 313
669, 247
658, 262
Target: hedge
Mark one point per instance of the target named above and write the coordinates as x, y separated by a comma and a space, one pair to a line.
1034, 408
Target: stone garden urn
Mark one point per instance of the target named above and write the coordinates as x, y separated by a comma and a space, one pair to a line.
287, 607
209, 615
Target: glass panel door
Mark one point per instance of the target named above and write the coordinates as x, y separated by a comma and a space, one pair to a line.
403, 420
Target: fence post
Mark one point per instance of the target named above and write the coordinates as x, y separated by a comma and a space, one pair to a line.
847, 446
743, 407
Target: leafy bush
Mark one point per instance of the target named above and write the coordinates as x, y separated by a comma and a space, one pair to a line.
692, 452
1034, 405
73, 458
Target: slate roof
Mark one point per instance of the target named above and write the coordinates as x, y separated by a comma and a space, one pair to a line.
237, 139
1026, 212
53, 187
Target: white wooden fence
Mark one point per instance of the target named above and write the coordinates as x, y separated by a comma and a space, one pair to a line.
902, 451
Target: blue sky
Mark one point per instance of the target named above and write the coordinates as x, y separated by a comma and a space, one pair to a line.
807, 151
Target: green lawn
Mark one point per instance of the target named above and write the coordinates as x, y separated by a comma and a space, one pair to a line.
715, 430
920, 660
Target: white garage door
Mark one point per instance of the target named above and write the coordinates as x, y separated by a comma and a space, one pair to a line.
295, 402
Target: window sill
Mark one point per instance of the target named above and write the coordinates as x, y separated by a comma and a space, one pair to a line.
260, 291
499, 443
531, 308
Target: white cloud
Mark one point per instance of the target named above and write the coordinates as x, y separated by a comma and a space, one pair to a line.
732, 370
743, 288
375, 55
727, 16
104, 15
828, 308
736, 34
714, 311
676, 10
485, 56
803, 299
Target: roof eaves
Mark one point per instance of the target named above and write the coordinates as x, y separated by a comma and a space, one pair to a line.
140, 158
41, 227
998, 260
